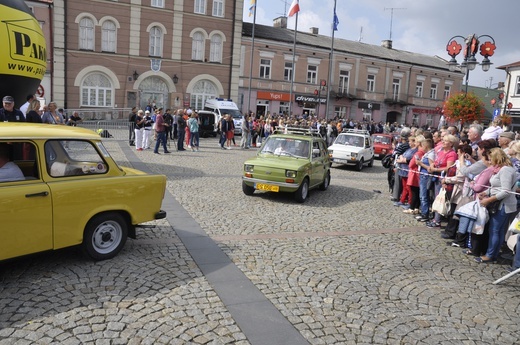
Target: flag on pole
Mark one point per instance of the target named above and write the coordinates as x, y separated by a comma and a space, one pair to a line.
335, 21
252, 8
295, 8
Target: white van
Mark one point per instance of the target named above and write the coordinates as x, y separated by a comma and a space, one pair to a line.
226, 106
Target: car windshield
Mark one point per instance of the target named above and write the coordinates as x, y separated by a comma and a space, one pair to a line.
234, 113
286, 147
347, 139
379, 139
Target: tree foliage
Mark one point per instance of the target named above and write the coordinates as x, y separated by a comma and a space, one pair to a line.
464, 107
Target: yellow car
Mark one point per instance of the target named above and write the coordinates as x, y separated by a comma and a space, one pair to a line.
71, 192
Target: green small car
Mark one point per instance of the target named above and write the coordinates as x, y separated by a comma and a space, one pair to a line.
290, 160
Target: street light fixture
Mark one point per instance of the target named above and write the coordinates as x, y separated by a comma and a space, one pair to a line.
472, 46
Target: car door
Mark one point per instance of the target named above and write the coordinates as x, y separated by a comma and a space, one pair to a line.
25, 210
368, 151
318, 164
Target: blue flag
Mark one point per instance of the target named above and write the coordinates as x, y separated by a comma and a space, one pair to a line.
335, 21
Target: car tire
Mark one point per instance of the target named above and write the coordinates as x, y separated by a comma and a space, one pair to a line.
326, 182
359, 166
371, 162
105, 235
301, 194
248, 190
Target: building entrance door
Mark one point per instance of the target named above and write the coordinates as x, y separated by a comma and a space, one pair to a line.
262, 107
153, 91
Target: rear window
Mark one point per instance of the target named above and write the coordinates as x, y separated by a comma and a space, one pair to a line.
379, 139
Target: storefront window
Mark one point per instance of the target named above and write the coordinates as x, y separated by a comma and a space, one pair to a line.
340, 112
284, 107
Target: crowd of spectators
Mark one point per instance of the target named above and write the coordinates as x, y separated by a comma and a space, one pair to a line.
467, 166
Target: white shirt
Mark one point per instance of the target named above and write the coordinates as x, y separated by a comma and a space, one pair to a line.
11, 172
24, 108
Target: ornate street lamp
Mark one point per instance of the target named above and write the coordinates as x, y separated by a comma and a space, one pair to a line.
472, 46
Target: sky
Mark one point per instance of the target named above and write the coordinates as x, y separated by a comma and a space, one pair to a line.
418, 26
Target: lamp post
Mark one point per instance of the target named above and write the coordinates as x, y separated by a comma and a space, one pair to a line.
317, 93
472, 46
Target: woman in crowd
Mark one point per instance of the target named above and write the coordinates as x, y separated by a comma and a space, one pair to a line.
230, 135
404, 161
424, 179
32, 113
193, 124
500, 202
444, 160
412, 181
51, 116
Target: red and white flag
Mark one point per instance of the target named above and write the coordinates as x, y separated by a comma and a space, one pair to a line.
295, 8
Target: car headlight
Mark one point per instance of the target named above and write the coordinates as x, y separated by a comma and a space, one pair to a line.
330, 153
290, 173
353, 155
248, 168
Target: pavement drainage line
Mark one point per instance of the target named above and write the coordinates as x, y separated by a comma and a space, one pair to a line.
260, 321
292, 235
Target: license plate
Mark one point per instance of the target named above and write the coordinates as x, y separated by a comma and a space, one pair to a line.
341, 161
267, 187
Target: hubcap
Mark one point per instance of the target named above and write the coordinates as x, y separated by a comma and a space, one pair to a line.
107, 237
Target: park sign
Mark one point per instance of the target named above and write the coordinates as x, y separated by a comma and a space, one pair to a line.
23, 59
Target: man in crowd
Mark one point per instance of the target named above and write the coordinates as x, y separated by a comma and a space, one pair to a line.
8, 113
25, 107
9, 171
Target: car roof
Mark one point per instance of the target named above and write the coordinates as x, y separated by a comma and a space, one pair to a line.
17, 130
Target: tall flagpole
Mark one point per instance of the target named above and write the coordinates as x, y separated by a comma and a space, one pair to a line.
293, 67
251, 61
331, 58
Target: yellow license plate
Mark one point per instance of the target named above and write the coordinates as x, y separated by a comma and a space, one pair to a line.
267, 187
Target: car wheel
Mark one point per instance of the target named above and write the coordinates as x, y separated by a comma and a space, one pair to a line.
301, 194
359, 166
248, 190
371, 162
105, 235
326, 181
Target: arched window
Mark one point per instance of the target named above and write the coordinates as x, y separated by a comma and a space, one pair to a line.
86, 34
156, 41
108, 36
96, 91
202, 91
197, 49
215, 49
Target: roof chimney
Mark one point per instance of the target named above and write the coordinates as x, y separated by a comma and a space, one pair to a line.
386, 44
314, 31
280, 22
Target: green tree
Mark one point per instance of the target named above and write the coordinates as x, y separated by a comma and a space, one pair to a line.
464, 107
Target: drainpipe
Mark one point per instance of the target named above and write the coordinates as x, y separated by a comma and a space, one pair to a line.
232, 52
51, 50
65, 48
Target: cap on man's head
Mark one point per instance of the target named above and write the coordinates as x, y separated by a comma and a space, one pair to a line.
8, 99
147, 112
508, 135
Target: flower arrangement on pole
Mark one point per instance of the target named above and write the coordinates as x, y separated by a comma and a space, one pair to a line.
464, 107
505, 119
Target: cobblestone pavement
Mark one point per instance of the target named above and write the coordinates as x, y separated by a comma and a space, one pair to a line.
346, 267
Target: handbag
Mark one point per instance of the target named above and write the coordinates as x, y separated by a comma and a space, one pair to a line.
482, 218
493, 207
441, 204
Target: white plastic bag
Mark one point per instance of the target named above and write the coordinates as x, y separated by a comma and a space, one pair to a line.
482, 218
440, 203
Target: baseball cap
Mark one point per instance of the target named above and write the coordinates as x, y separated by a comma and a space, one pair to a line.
147, 112
8, 99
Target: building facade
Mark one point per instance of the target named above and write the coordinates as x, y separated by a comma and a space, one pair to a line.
370, 82
119, 54
511, 104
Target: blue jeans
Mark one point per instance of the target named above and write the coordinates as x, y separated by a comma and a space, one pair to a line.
424, 194
194, 139
161, 138
497, 232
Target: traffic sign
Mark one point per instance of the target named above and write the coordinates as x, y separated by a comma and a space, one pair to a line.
496, 112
